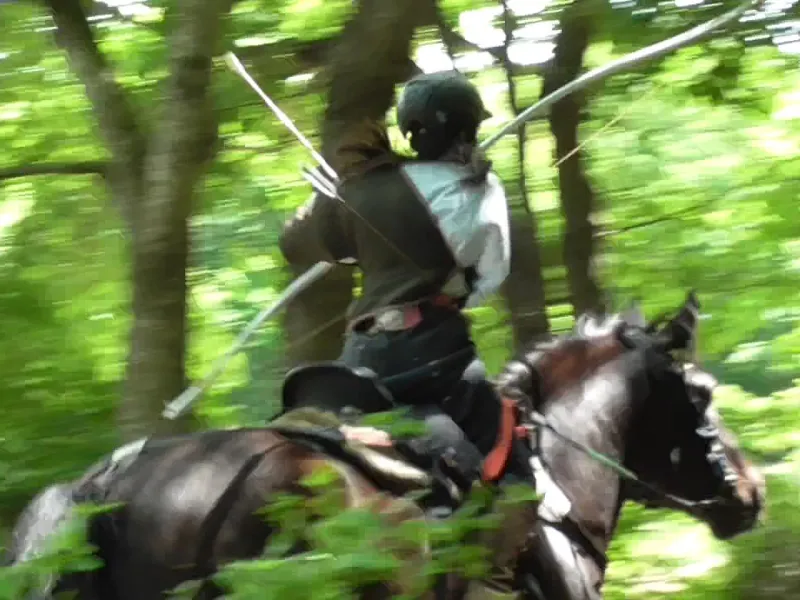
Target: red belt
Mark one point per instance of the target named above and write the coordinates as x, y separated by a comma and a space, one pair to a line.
444, 301
401, 318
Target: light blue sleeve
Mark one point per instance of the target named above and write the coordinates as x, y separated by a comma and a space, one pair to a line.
473, 219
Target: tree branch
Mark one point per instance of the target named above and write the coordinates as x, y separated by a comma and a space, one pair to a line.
444, 32
114, 114
101, 8
281, 60
452, 39
380, 34
524, 290
78, 168
186, 136
578, 198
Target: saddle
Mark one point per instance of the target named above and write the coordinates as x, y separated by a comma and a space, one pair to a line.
321, 405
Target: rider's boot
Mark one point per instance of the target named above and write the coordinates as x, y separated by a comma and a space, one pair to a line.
451, 485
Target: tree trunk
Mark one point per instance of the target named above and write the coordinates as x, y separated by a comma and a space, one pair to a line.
156, 360
577, 196
152, 177
523, 290
371, 57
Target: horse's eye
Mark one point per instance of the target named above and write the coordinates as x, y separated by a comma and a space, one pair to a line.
675, 456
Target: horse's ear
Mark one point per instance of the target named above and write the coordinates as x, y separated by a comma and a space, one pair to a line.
692, 300
682, 330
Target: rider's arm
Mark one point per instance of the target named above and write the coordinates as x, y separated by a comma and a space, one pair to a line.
490, 243
319, 230
316, 233
472, 218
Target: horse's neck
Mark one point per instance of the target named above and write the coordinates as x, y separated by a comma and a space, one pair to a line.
598, 414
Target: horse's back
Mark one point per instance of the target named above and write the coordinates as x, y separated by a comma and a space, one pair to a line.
189, 504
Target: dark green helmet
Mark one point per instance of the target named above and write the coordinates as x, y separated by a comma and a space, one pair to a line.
440, 101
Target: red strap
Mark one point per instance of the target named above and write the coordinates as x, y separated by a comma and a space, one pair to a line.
496, 461
444, 301
412, 316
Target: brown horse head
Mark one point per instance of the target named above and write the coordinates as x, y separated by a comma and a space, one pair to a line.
628, 420
706, 465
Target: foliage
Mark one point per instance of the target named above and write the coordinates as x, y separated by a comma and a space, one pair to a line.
353, 548
66, 552
695, 160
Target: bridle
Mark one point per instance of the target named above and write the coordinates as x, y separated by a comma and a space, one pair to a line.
644, 492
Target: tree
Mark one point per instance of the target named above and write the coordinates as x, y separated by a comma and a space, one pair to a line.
524, 290
578, 200
151, 174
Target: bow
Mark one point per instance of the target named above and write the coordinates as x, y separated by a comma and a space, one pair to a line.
626, 63
184, 401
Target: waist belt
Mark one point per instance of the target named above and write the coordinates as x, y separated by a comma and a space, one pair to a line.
400, 318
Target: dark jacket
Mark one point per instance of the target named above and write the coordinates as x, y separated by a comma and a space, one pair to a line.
380, 223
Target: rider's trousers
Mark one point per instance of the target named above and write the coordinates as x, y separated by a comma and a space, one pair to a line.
434, 370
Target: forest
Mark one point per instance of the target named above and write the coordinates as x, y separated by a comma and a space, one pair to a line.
144, 187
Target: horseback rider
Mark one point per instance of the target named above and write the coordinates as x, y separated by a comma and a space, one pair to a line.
431, 236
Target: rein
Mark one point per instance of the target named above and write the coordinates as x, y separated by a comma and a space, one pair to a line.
541, 422
572, 528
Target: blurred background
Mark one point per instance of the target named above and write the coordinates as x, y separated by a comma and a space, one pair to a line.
142, 194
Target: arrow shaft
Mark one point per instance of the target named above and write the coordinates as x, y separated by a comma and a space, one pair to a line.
237, 66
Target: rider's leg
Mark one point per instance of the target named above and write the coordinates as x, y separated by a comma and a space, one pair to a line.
419, 369
466, 396
444, 436
477, 408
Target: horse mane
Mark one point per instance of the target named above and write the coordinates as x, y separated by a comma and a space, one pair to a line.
556, 364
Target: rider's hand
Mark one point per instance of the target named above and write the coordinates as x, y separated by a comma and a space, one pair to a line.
369, 436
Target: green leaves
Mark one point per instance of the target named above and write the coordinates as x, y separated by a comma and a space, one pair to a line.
695, 160
66, 551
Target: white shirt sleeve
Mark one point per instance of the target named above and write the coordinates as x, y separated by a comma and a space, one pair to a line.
473, 219
492, 241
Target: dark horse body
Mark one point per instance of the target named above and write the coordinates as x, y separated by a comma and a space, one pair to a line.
190, 503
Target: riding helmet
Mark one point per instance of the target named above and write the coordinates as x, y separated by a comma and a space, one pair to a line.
440, 101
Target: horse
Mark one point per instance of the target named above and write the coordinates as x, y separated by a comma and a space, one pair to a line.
664, 447
613, 417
